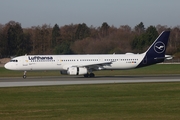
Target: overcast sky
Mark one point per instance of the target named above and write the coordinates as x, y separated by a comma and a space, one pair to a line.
92, 12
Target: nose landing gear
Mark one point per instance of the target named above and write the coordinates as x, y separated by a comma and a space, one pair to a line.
24, 76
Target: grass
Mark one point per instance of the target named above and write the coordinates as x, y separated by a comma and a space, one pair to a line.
102, 102
136, 101
150, 70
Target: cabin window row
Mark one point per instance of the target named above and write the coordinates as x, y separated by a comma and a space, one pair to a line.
120, 59
42, 60
80, 60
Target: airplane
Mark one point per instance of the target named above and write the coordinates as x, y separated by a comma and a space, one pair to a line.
86, 64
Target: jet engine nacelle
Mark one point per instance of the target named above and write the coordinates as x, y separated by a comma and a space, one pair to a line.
77, 71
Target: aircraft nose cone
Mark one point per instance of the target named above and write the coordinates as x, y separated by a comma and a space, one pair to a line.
8, 66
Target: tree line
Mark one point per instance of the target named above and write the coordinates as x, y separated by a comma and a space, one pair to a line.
81, 39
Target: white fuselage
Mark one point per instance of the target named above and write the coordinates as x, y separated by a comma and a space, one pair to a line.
63, 62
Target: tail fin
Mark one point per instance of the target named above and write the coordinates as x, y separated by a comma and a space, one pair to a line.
156, 52
158, 48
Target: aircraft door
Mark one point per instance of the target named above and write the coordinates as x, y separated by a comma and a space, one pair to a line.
25, 61
59, 61
26, 64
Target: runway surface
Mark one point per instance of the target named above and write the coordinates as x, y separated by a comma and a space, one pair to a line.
76, 80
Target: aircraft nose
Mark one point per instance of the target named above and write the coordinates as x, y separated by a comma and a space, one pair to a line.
8, 66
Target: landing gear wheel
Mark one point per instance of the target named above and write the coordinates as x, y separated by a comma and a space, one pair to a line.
91, 75
24, 76
86, 75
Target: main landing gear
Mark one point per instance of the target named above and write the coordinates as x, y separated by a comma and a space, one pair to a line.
24, 76
89, 75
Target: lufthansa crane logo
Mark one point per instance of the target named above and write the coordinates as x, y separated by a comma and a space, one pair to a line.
159, 47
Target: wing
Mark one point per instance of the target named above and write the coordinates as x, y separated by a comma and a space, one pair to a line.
92, 66
96, 66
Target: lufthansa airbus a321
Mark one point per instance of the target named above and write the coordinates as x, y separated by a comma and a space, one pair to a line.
86, 64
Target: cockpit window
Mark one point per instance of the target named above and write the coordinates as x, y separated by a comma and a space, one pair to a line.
13, 60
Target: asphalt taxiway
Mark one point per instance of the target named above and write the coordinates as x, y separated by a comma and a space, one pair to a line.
77, 80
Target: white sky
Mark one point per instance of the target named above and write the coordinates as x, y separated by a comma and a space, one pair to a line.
92, 12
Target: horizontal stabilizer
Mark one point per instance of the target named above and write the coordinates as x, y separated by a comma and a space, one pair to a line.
167, 57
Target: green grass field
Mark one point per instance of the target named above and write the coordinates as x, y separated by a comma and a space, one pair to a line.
150, 70
137, 101
140, 101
